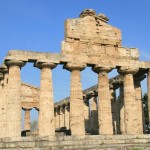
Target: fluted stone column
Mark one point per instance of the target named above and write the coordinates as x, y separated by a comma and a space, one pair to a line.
46, 104
130, 105
113, 108
27, 120
76, 100
148, 92
37, 109
14, 114
94, 116
57, 124
4, 96
138, 96
104, 103
2, 118
86, 115
62, 116
120, 110
67, 124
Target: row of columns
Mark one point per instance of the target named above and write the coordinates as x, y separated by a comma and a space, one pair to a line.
105, 125
46, 104
61, 114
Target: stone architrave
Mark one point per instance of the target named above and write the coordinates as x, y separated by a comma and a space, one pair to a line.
76, 100
14, 109
138, 96
46, 105
104, 102
27, 120
94, 116
130, 105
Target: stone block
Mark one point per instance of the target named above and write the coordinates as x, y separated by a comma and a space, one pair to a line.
111, 51
26, 144
134, 53
11, 144
123, 52
88, 29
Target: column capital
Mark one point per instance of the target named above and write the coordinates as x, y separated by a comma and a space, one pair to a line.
14, 63
36, 108
128, 70
86, 101
111, 86
27, 109
139, 78
41, 65
72, 66
148, 71
99, 69
4, 69
94, 99
1, 76
67, 107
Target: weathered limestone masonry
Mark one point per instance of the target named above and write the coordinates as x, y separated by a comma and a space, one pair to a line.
46, 115
94, 116
104, 105
76, 100
27, 119
129, 101
13, 99
90, 106
89, 42
1, 106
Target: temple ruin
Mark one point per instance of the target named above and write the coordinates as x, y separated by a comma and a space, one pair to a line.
91, 118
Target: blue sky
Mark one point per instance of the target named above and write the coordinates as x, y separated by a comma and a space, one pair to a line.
38, 25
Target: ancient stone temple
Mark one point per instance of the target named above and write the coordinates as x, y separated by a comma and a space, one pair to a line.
94, 118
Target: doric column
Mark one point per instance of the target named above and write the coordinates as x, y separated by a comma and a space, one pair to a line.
113, 108
120, 109
86, 114
4, 70
148, 92
37, 109
62, 116
57, 124
2, 118
27, 119
67, 110
94, 116
138, 96
14, 114
104, 103
76, 100
46, 105
130, 105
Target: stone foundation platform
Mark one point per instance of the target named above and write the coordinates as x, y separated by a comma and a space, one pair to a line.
88, 142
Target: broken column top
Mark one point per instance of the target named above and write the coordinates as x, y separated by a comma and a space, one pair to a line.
91, 12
